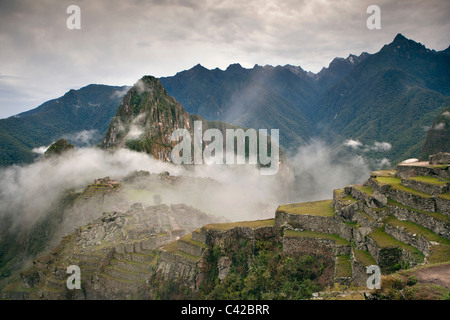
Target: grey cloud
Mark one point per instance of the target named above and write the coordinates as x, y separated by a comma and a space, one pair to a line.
120, 41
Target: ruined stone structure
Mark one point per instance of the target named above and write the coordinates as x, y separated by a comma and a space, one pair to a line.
396, 219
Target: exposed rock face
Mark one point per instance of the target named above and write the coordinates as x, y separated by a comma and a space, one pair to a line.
440, 158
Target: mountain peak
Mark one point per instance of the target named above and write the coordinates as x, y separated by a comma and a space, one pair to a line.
234, 66
400, 37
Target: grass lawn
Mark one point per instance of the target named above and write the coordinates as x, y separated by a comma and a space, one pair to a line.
248, 224
436, 215
310, 234
395, 184
384, 240
343, 266
315, 208
364, 257
431, 180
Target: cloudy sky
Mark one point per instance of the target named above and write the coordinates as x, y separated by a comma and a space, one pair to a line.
121, 40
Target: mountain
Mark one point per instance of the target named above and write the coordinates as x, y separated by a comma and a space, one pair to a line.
81, 116
438, 135
337, 70
147, 117
389, 97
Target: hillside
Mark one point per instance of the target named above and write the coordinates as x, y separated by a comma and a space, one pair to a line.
389, 97
438, 135
397, 220
81, 116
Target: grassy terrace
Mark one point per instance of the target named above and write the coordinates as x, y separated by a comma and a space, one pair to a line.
365, 189
412, 228
431, 180
365, 215
383, 240
188, 239
173, 248
316, 235
364, 257
343, 266
436, 215
316, 208
383, 173
445, 196
395, 184
247, 224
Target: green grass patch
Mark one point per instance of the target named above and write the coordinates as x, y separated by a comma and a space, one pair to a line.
108, 277
395, 184
173, 248
365, 215
383, 173
18, 287
188, 239
439, 253
431, 180
364, 257
315, 208
317, 235
384, 240
245, 224
365, 189
343, 266
412, 227
445, 196
436, 215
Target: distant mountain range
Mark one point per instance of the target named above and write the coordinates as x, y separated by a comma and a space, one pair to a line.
82, 116
383, 103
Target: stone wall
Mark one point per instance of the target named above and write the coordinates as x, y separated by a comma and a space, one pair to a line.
441, 228
442, 205
405, 171
426, 187
330, 225
190, 248
173, 266
416, 241
411, 200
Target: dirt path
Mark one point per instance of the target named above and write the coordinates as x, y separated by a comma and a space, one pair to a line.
439, 275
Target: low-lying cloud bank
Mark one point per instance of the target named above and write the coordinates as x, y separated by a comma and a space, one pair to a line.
28, 192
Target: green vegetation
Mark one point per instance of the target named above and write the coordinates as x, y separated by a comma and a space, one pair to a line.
395, 184
365, 215
383, 240
188, 239
173, 248
66, 115
414, 228
343, 266
431, 180
365, 189
310, 234
436, 215
364, 257
316, 208
244, 224
261, 271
